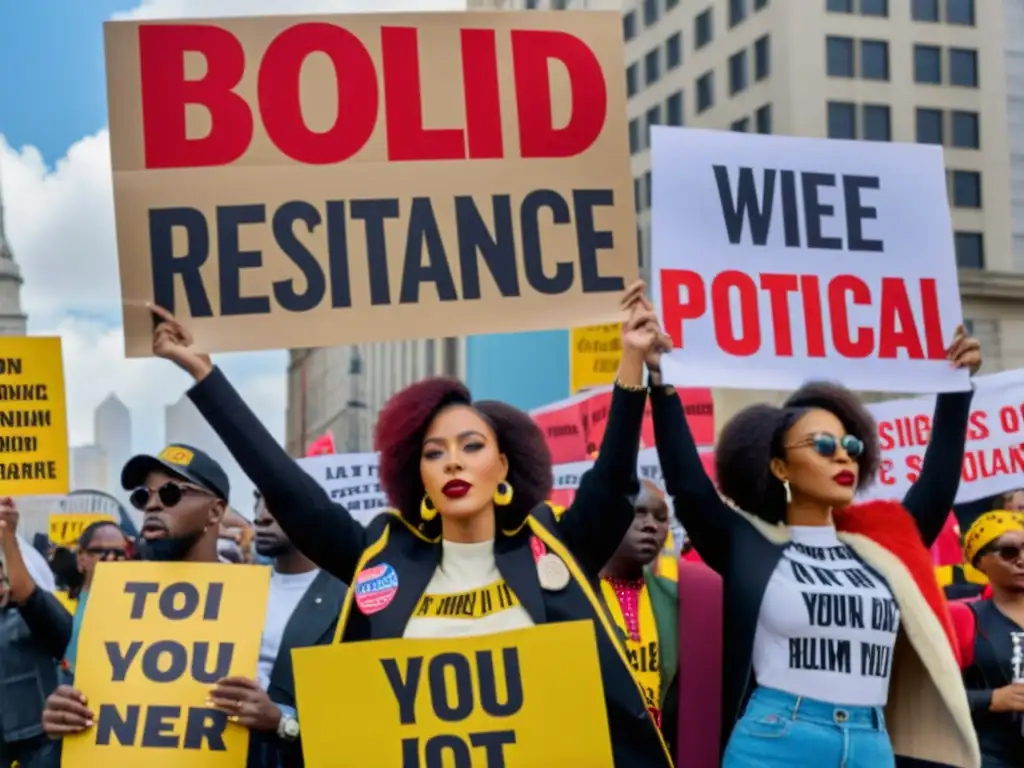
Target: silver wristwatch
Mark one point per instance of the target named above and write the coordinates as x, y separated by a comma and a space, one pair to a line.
288, 728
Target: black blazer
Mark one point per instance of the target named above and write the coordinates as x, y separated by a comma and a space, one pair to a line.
734, 548
313, 622
585, 537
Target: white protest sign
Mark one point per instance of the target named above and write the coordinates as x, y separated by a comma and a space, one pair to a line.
352, 480
780, 259
994, 453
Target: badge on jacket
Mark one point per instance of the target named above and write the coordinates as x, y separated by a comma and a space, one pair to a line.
376, 587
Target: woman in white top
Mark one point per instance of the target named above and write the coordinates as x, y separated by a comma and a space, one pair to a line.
838, 647
471, 546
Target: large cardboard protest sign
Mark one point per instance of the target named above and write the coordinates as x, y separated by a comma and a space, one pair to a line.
33, 417
779, 259
532, 697
994, 453
574, 427
312, 181
155, 639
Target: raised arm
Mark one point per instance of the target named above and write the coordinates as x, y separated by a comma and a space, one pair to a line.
702, 513
602, 510
931, 497
322, 530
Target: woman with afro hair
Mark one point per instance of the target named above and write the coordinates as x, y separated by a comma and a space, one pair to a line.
469, 483
838, 646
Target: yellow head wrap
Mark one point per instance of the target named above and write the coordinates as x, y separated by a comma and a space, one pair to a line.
989, 527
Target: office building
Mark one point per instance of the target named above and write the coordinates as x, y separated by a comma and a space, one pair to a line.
112, 431
89, 468
13, 321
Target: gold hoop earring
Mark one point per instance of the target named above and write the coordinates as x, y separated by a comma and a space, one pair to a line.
427, 509
789, 493
503, 494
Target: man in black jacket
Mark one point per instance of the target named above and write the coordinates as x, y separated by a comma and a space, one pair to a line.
302, 611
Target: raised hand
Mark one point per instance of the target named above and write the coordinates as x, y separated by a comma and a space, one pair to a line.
172, 341
640, 331
965, 351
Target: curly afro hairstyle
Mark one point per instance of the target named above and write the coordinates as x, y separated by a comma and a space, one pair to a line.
754, 436
403, 423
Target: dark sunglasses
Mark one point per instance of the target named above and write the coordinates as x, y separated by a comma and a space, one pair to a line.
170, 494
103, 552
826, 444
1008, 552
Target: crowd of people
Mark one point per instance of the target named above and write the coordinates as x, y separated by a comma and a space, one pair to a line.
839, 645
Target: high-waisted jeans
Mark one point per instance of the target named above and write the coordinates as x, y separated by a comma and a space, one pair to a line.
780, 730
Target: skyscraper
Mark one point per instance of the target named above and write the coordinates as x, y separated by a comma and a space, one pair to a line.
89, 468
12, 320
112, 431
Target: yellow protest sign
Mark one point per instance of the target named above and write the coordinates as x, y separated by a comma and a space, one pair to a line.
519, 699
155, 639
65, 530
33, 417
594, 354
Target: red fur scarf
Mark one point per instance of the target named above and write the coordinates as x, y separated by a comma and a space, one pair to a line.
890, 526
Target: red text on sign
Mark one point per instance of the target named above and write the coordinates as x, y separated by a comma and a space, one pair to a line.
979, 464
364, 86
915, 431
897, 331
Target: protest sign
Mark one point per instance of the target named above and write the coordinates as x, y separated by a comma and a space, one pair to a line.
779, 259
594, 354
994, 453
352, 480
574, 427
65, 530
489, 190
520, 699
33, 417
155, 639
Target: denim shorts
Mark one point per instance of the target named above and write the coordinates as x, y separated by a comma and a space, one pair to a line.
780, 730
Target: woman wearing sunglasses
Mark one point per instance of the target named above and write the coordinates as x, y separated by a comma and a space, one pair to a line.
993, 648
838, 646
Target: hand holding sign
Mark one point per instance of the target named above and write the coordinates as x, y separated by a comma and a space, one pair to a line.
172, 341
8, 516
245, 703
66, 713
965, 351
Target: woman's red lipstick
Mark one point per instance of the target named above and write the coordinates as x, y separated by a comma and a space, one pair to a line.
845, 478
456, 489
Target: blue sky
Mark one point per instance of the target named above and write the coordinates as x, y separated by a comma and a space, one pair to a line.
52, 82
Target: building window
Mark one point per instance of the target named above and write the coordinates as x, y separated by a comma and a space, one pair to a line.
648, 189
927, 64
703, 30
839, 6
877, 122
762, 58
966, 189
652, 118
636, 195
763, 119
842, 120
960, 12
963, 67
737, 72
874, 7
759, 4
705, 91
839, 56
531, 5
632, 79
670, 4
874, 59
674, 109
629, 26
674, 51
970, 250
966, 131
737, 11
929, 126
740, 126
634, 136
652, 68
650, 12
924, 10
